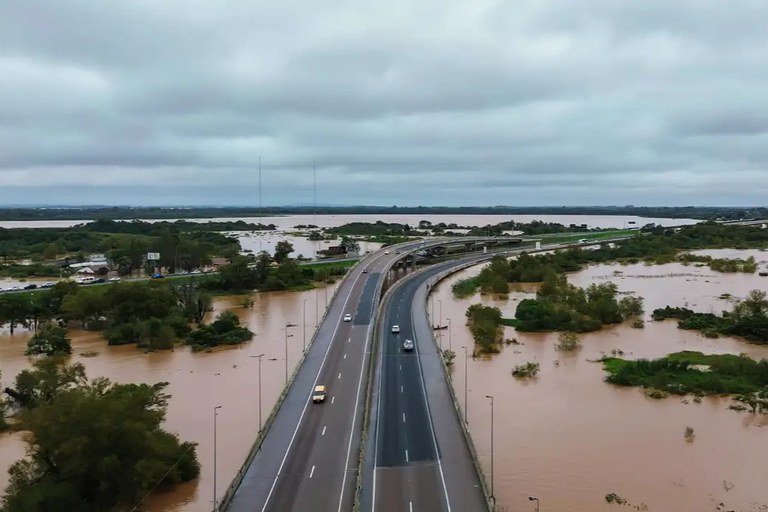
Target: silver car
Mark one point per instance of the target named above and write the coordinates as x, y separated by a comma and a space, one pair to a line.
408, 345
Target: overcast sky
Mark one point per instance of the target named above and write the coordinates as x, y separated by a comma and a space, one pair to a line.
408, 102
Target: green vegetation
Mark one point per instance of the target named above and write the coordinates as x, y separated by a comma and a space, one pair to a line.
225, 330
374, 229
525, 371
95, 446
748, 319
485, 325
652, 244
568, 342
748, 266
691, 372
561, 306
182, 245
50, 340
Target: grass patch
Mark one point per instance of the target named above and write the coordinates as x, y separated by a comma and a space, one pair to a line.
465, 287
691, 372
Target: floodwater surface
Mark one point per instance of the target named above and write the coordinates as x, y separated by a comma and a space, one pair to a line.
198, 381
568, 438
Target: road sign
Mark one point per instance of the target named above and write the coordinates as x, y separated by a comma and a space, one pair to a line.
153, 256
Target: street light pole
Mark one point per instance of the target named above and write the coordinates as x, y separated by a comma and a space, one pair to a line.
492, 493
533, 498
287, 325
304, 324
450, 337
466, 411
215, 414
440, 324
259, 357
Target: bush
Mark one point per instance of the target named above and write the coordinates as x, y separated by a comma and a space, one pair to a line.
49, 341
526, 370
568, 341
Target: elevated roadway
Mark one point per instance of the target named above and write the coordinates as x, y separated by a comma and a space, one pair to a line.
308, 458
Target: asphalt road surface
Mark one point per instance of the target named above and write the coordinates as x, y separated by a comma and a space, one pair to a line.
308, 461
421, 462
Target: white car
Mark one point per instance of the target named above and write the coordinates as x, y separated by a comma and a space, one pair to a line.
386, 252
395, 328
347, 317
408, 345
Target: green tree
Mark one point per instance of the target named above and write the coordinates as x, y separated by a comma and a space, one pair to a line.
48, 378
263, 266
98, 447
49, 341
283, 249
238, 276
50, 252
15, 310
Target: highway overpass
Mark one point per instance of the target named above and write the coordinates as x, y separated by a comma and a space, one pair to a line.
307, 456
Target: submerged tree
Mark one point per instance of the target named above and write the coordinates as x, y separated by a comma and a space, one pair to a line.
94, 446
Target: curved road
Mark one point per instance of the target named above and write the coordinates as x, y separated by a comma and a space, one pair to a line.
308, 460
419, 461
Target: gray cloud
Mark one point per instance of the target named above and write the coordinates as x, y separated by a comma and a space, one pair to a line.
432, 102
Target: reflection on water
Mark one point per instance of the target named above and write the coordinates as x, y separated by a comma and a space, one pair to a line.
198, 382
568, 438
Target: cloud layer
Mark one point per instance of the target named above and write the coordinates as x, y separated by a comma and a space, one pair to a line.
433, 102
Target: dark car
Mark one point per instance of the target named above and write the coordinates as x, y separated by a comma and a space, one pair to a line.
30, 287
157, 276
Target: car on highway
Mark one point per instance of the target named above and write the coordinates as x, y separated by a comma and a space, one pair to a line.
408, 345
318, 395
30, 286
347, 317
397, 252
386, 252
365, 271
395, 328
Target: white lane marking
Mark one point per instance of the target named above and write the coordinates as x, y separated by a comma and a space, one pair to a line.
312, 472
345, 356
429, 415
403, 417
339, 376
410, 506
349, 340
306, 404
323, 431
401, 389
333, 398
401, 367
406, 456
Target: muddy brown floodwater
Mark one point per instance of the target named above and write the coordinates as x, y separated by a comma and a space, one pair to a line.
568, 438
198, 382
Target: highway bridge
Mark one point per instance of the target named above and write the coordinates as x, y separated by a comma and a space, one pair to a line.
306, 459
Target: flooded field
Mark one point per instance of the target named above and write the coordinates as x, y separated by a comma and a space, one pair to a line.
289, 221
198, 382
569, 438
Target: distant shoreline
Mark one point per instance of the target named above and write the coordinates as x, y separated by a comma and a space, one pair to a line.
87, 213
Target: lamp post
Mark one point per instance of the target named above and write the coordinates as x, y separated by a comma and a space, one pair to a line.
215, 414
304, 324
440, 323
450, 337
466, 411
287, 325
492, 494
259, 357
533, 498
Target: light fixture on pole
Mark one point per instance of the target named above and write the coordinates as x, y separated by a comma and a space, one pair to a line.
304, 324
532, 498
215, 414
450, 337
287, 325
466, 411
259, 357
493, 496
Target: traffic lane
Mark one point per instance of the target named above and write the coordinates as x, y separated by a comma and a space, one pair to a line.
347, 351
297, 461
405, 435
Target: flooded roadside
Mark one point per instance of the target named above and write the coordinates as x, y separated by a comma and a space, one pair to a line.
569, 439
198, 381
